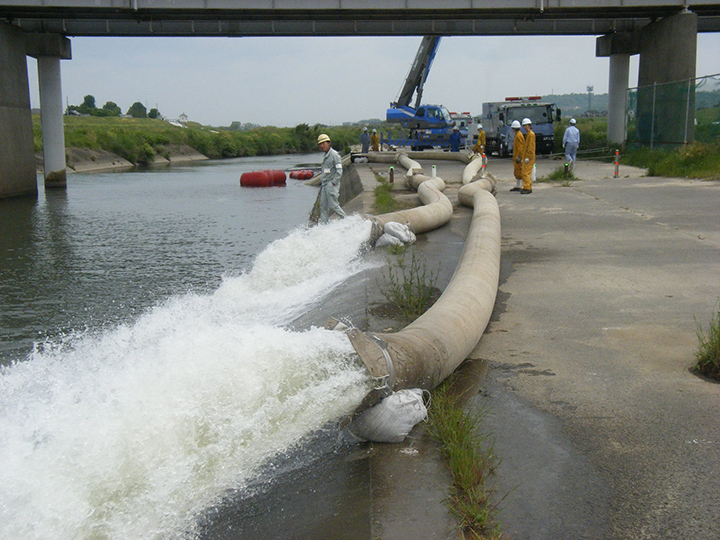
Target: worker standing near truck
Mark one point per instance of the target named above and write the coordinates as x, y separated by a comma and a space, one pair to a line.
455, 140
479, 147
518, 149
528, 157
330, 175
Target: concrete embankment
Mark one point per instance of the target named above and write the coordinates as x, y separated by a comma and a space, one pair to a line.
83, 160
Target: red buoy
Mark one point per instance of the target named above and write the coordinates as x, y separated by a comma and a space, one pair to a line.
255, 179
264, 178
277, 177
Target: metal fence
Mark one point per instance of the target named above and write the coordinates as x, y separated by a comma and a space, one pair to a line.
673, 113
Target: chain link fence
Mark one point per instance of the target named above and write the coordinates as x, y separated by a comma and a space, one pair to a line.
674, 113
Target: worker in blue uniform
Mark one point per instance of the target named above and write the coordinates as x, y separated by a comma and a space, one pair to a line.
330, 175
455, 140
365, 141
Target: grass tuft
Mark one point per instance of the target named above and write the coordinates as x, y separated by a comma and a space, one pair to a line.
707, 355
558, 175
470, 459
409, 285
384, 201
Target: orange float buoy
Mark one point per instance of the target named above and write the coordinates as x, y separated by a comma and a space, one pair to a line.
264, 178
255, 179
277, 177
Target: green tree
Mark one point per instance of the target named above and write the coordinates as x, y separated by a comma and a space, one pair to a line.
110, 109
87, 106
154, 113
306, 137
137, 110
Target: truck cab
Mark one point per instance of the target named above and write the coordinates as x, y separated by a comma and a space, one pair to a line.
424, 117
498, 116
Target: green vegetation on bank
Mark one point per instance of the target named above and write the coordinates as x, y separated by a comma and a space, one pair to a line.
470, 458
708, 352
139, 139
696, 160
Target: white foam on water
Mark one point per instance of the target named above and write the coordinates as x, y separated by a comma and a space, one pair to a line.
132, 433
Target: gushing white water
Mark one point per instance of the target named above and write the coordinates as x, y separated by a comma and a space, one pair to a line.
132, 433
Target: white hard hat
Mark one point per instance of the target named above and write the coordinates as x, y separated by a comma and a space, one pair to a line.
323, 138
572, 120
480, 126
526, 121
515, 125
374, 130
456, 128
364, 129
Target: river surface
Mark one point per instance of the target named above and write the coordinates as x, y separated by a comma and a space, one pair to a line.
148, 365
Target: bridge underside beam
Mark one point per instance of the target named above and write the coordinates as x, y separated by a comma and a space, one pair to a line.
126, 21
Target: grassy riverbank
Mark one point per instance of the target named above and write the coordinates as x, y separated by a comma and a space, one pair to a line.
139, 140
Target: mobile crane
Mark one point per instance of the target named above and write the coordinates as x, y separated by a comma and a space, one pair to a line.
429, 125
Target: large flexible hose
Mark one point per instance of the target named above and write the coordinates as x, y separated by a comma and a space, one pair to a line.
428, 350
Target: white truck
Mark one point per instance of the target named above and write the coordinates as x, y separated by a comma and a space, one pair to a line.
497, 116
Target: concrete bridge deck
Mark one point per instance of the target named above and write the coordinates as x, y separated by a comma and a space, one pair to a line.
347, 17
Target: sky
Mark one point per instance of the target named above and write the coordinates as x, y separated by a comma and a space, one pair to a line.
328, 80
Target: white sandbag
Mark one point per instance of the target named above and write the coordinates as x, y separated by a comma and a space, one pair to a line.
400, 231
387, 240
392, 419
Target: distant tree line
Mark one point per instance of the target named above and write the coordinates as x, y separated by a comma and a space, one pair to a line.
136, 110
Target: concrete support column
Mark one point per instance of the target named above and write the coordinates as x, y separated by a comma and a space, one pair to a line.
619, 47
49, 49
17, 154
51, 116
617, 94
666, 80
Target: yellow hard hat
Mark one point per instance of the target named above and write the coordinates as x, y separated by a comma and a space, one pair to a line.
323, 138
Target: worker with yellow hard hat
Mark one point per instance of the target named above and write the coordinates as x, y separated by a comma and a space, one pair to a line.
330, 176
479, 147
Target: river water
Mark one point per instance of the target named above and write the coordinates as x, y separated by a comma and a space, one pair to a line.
148, 365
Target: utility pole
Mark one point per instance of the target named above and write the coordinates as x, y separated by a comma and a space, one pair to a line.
590, 93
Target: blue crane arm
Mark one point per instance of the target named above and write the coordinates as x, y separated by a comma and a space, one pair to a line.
415, 79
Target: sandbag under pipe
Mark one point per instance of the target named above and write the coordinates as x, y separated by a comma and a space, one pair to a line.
428, 350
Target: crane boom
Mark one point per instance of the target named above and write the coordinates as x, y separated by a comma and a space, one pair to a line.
415, 79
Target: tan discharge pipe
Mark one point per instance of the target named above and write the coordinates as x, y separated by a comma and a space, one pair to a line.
428, 350
436, 210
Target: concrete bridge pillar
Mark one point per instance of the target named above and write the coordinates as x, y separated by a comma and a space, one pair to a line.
617, 97
49, 49
668, 54
17, 155
668, 49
